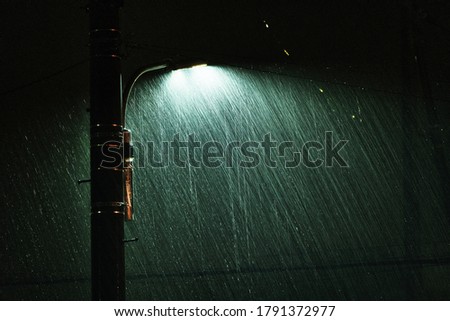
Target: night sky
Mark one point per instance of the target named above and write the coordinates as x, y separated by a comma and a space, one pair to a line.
371, 72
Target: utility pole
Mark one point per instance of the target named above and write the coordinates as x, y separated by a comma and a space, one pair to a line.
106, 141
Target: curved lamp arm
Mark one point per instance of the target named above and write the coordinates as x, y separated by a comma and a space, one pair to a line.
129, 87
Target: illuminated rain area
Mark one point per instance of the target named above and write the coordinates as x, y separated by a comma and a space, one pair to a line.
375, 229
351, 98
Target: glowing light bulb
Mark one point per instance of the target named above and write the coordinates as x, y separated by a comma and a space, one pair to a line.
199, 66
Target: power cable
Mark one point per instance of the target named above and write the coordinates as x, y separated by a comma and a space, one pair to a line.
49, 76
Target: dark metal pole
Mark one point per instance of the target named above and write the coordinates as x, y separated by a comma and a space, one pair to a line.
107, 197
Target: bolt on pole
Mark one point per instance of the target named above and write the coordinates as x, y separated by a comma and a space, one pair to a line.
106, 147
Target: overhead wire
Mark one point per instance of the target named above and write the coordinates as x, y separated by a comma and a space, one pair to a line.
42, 79
402, 262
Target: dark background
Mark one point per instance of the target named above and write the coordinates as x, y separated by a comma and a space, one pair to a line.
378, 230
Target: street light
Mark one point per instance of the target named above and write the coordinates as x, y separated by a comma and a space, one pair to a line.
157, 68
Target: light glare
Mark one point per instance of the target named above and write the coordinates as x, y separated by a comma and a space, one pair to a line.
199, 66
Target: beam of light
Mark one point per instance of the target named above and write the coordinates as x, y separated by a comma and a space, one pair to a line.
177, 79
184, 87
